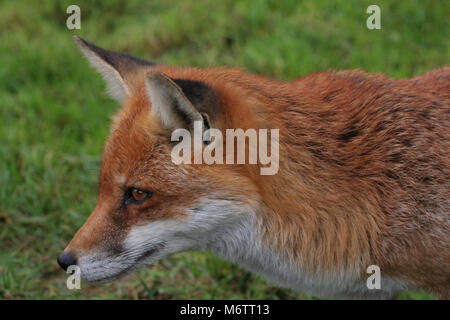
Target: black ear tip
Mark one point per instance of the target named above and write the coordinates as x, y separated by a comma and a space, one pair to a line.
81, 41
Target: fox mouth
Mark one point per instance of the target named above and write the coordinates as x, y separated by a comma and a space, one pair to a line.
149, 252
109, 276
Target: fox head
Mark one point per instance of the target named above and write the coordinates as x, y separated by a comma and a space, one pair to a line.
331, 212
148, 207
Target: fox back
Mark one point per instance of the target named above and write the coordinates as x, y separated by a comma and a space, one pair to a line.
363, 178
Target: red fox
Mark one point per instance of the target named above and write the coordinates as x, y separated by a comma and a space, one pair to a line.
363, 179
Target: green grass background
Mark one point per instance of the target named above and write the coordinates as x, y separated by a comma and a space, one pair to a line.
54, 114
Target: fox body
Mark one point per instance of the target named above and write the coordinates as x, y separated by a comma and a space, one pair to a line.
363, 179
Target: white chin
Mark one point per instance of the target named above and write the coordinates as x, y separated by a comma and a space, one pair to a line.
107, 274
104, 270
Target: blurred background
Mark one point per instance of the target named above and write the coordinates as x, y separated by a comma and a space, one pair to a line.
54, 113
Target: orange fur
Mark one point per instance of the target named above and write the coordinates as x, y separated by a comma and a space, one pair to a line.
364, 169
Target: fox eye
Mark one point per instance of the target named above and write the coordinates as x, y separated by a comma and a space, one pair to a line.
138, 195
135, 195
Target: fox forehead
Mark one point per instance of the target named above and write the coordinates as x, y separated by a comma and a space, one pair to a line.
133, 142
137, 154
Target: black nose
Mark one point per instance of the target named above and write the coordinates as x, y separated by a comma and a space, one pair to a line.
66, 259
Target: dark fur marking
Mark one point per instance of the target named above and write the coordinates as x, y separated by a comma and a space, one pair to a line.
395, 157
392, 175
347, 136
201, 96
330, 96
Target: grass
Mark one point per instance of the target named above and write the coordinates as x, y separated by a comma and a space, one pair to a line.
54, 114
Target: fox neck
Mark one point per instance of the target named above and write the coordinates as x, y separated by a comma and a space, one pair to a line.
241, 243
232, 231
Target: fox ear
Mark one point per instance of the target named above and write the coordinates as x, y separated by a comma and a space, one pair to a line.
171, 105
121, 72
